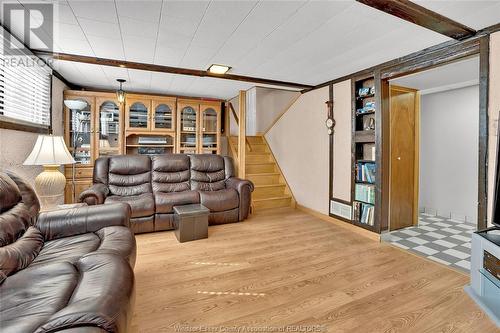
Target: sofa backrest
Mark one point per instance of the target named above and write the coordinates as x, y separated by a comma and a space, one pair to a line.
127, 175
124, 175
170, 173
209, 172
20, 242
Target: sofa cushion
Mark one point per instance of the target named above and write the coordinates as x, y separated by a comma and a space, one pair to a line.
20, 254
165, 202
31, 296
102, 298
219, 201
141, 205
115, 239
170, 173
67, 249
10, 194
129, 175
17, 216
207, 172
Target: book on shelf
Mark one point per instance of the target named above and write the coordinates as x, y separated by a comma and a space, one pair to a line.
363, 213
364, 193
365, 172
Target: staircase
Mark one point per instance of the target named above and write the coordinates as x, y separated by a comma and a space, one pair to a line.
271, 189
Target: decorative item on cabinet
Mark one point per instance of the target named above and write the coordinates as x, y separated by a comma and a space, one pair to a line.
199, 124
150, 124
94, 130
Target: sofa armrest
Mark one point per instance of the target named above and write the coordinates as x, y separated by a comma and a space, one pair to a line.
94, 195
76, 221
244, 189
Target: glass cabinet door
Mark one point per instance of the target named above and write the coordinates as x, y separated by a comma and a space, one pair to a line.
163, 115
108, 128
210, 126
138, 114
188, 121
81, 129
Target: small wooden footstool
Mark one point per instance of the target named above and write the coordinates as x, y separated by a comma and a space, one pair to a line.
191, 222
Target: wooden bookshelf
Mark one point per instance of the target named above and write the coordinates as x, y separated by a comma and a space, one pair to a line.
364, 163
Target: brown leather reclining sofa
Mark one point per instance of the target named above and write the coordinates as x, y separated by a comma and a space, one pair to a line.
152, 186
66, 270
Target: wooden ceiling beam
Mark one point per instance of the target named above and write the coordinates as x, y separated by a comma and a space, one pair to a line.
165, 69
411, 12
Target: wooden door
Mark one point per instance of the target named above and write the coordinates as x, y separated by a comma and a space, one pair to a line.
108, 127
163, 114
209, 128
188, 126
79, 131
138, 114
404, 131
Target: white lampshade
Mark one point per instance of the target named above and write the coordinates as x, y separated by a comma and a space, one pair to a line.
75, 104
49, 150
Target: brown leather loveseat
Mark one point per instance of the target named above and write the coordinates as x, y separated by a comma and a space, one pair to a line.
66, 270
152, 186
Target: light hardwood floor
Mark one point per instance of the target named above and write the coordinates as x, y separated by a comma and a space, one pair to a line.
286, 267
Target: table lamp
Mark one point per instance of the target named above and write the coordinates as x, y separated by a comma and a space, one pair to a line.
51, 152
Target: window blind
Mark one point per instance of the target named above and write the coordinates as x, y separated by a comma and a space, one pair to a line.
25, 87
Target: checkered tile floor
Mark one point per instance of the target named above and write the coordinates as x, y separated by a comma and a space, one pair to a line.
441, 239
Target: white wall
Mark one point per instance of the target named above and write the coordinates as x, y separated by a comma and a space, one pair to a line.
270, 105
251, 111
493, 111
342, 138
449, 131
15, 146
300, 143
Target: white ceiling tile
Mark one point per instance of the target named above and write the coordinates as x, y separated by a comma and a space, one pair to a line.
107, 47
113, 73
103, 11
177, 26
64, 14
133, 27
220, 21
144, 10
198, 57
68, 31
139, 80
139, 49
101, 29
188, 10
168, 56
181, 83
73, 46
161, 81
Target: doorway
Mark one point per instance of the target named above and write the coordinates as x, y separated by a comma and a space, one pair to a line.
434, 139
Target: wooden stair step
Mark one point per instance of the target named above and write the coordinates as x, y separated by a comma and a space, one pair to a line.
274, 202
258, 158
255, 140
264, 178
268, 191
260, 168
